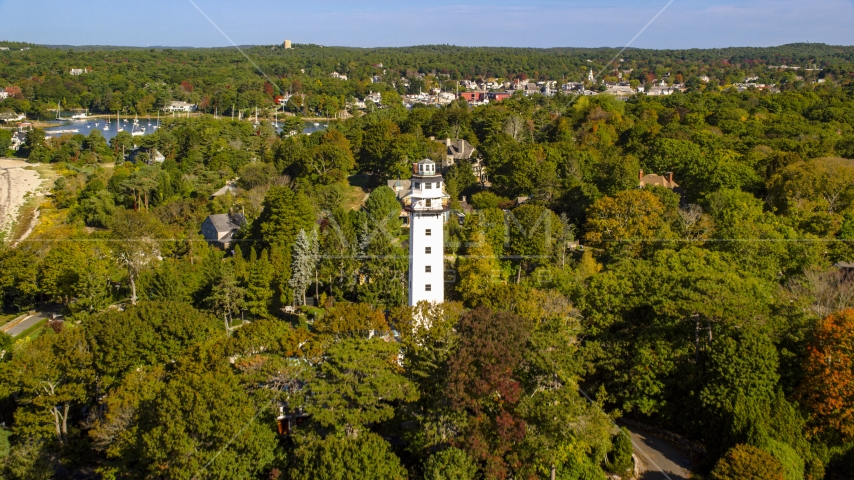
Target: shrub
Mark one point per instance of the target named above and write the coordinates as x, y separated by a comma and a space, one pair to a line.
620, 456
744, 462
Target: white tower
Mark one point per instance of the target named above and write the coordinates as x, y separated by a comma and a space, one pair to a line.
426, 204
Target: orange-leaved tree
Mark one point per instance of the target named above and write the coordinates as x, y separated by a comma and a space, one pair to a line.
828, 386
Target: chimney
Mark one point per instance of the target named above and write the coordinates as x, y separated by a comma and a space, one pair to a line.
640, 175
448, 142
415, 168
670, 178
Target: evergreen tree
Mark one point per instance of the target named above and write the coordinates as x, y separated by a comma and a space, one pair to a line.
227, 297
259, 293
304, 266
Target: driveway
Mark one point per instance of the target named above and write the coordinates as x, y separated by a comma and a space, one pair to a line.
46, 311
662, 460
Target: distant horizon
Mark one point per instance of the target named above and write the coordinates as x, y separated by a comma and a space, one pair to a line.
677, 25
295, 43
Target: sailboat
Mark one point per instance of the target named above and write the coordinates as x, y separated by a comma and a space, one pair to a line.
158, 121
119, 124
107, 124
58, 110
81, 116
256, 116
137, 131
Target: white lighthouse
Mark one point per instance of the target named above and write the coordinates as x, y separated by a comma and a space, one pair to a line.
426, 204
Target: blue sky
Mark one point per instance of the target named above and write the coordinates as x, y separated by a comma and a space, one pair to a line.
369, 23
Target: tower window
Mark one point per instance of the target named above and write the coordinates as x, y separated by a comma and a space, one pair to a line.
429, 203
428, 288
417, 185
428, 250
428, 232
428, 186
428, 269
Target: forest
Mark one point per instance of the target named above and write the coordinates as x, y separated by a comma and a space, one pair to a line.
140, 81
719, 310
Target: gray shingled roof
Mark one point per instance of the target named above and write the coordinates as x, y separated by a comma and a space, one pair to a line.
461, 149
226, 223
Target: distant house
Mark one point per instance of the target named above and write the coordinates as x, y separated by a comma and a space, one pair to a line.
153, 156
479, 171
18, 139
375, 97
230, 188
219, 230
456, 150
12, 117
3, 94
620, 90
401, 189
180, 107
79, 71
338, 76
472, 97
653, 180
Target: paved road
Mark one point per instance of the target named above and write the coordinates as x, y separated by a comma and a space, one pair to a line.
662, 460
29, 322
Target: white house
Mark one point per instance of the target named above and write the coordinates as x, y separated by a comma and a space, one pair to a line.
375, 97
180, 107
339, 76
4, 95
79, 71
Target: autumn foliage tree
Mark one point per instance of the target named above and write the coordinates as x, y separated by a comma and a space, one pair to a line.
744, 462
484, 382
828, 386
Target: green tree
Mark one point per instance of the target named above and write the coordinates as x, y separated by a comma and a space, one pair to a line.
150, 333
740, 383
478, 269
135, 244
620, 458
337, 457
450, 464
212, 429
259, 293
19, 283
227, 297
52, 377
285, 213
358, 384
382, 209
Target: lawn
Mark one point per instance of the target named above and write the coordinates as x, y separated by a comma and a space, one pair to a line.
356, 192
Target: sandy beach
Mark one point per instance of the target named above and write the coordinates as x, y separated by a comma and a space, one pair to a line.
15, 183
